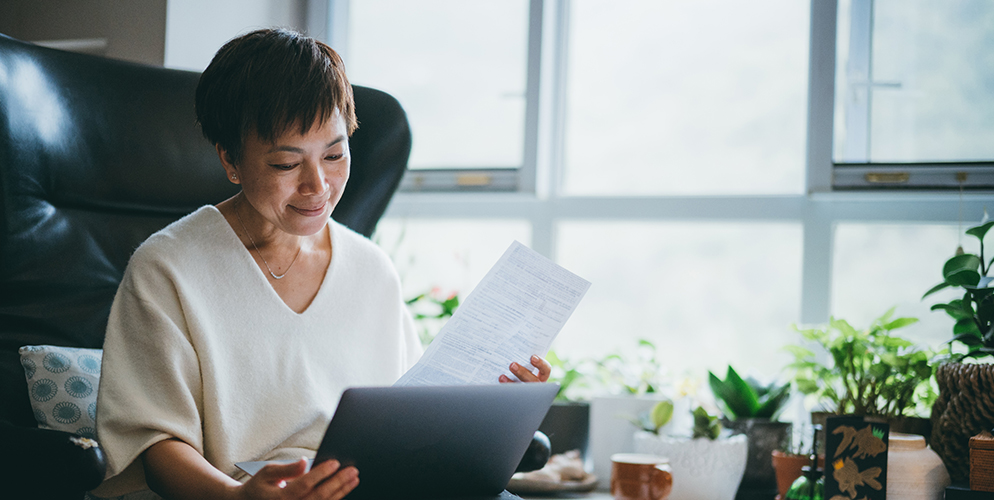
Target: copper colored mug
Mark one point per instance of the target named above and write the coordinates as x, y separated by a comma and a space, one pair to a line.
640, 477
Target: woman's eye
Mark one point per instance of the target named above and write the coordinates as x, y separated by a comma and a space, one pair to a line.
287, 166
333, 157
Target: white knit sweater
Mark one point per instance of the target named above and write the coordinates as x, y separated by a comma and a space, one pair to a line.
200, 347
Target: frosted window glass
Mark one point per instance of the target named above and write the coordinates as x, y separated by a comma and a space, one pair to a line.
457, 66
697, 97
707, 294
928, 95
450, 255
879, 266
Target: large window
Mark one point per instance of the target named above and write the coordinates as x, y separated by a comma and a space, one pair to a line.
681, 156
914, 100
702, 97
458, 66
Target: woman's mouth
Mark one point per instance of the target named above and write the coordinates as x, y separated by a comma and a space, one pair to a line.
310, 211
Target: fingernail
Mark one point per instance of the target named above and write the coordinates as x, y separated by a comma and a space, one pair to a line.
535, 359
514, 366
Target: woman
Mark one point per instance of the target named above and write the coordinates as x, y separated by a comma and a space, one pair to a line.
236, 329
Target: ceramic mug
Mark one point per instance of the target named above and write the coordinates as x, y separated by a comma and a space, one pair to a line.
640, 477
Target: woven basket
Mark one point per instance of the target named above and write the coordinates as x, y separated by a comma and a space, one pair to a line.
982, 462
964, 408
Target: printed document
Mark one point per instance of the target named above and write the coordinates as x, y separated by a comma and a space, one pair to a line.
515, 312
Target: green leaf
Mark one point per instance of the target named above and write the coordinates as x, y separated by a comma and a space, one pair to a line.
900, 323
964, 277
957, 309
739, 398
449, 305
962, 270
896, 342
966, 325
936, 288
843, 326
661, 413
799, 352
705, 425
968, 339
886, 316
806, 386
772, 403
880, 371
981, 230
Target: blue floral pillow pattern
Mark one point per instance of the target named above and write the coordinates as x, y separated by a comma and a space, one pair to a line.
62, 386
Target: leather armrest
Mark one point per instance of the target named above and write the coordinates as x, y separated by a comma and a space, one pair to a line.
42, 463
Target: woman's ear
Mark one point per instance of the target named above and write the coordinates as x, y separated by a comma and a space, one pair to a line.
230, 169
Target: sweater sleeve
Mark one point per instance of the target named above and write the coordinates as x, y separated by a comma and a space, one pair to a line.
150, 385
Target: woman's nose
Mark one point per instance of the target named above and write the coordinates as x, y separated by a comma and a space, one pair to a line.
313, 179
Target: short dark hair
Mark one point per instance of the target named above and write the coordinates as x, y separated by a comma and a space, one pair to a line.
268, 81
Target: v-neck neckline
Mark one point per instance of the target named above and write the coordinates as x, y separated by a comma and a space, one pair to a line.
258, 272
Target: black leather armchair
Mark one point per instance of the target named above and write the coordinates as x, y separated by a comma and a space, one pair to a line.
95, 156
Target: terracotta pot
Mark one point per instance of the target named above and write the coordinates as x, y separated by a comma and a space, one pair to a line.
788, 468
964, 408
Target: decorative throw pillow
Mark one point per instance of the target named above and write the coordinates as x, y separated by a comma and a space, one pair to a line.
62, 386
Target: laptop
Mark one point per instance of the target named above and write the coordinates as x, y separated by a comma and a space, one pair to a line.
433, 442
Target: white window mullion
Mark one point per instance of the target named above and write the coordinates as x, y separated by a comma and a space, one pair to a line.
528, 171
816, 271
821, 96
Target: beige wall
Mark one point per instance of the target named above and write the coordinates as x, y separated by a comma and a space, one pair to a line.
134, 30
178, 33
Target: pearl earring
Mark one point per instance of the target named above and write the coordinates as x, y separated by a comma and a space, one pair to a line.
234, 176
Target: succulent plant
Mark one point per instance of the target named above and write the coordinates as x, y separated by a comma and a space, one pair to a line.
748, 398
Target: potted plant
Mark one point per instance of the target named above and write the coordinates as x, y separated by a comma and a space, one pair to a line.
965, 405
868, 372
708, 464
751, 408
791, 457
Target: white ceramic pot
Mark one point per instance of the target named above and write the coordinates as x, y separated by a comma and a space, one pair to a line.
914, 471
702, 469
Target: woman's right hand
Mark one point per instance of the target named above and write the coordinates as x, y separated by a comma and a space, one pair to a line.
326, 481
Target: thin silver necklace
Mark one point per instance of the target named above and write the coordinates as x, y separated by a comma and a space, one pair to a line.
247, 233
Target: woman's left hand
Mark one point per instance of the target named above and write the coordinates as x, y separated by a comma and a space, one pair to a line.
526, 375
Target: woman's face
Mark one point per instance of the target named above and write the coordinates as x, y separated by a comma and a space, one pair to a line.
295, 182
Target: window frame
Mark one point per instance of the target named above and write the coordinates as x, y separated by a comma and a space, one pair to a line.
472, 179
538, 199
868, 175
